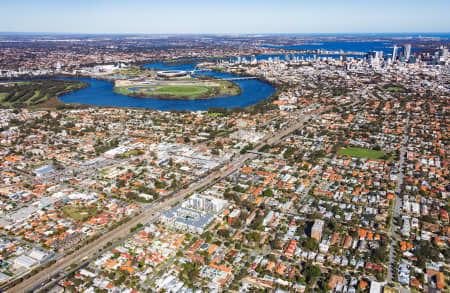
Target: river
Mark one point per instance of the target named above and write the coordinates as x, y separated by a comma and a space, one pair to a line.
101, 93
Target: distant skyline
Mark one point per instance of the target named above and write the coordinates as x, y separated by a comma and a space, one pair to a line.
224, 17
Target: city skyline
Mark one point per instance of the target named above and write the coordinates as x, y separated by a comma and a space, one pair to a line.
232, 17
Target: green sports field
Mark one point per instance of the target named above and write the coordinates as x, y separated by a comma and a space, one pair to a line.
79, 213
396, 89
361, 153
192, 92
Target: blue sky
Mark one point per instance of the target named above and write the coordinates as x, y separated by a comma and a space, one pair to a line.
230, 16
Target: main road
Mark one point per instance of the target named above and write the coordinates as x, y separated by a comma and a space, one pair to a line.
147, 214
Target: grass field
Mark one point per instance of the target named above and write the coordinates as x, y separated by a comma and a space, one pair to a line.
388, 289
133, 71
191, 92
133, 153
361, 153
214, 114
78, 213
393, 87
175, 92
396, 89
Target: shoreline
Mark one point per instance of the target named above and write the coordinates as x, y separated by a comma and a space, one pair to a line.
65, 105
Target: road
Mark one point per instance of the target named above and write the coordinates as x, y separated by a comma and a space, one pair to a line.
159, 272
34, 282
397, 207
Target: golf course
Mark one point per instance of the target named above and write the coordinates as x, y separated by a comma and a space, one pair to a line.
36, 92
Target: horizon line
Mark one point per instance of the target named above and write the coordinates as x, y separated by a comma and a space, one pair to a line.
229, 33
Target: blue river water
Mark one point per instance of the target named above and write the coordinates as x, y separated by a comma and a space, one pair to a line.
100, 93
347, 46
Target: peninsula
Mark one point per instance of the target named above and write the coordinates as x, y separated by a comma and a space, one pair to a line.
175, 85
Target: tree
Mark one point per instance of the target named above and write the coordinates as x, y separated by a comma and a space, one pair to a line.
310, 244
237, 223
121, 183
380, 254
207, 236
224, 233
311, 272
426, 252
323, 285
268, 192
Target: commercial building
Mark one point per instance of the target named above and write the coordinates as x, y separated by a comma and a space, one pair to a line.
186, 219
25, 261
205, 203
394, 53
407, 49
43, 170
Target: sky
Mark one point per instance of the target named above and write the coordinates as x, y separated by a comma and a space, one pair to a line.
224, 17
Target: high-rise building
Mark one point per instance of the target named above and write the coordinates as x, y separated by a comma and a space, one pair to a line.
375, 58
317, 229
407, 49
394, 53
444, 54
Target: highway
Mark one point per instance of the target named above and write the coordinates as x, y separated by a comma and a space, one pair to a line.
149, 213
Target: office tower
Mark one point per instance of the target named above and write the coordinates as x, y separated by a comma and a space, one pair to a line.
394, 53
407, 51
445, 54
376, 58
379, 55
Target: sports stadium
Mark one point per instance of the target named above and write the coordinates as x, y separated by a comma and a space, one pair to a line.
172, 73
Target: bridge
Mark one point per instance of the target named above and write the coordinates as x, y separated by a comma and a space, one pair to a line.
197, 69
240, 78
